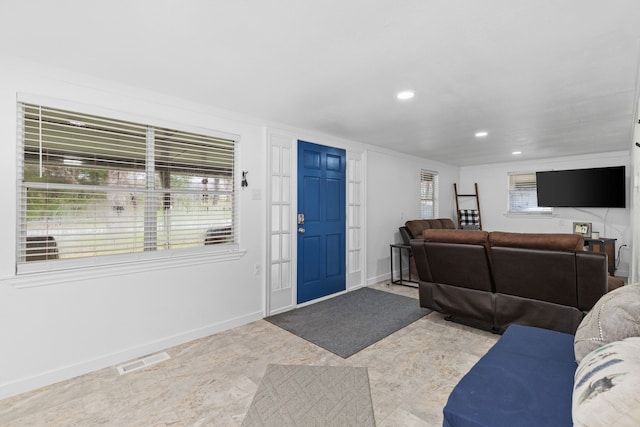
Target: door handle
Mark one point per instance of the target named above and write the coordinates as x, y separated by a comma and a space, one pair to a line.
301, 230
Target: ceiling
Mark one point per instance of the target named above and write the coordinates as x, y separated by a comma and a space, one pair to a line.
545, 77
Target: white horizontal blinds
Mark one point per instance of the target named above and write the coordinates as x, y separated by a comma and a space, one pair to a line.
83, 182
93, 186
194, 187
428, 194
523, 195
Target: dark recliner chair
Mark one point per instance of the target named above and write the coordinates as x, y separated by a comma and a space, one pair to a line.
455, 275
413, 229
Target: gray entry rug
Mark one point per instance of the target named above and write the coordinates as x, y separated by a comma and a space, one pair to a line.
312, 396
348, 323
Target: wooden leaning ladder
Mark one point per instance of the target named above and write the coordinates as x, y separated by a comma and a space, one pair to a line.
477, 198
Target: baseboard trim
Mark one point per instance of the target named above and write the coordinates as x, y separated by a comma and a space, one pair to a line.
378, 279
43, 379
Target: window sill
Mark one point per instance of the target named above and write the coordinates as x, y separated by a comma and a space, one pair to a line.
46, 278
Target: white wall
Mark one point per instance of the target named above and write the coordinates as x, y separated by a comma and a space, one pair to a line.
59, 325
393, 197
493, 189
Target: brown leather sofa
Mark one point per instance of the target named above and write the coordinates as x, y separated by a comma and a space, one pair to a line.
497, 278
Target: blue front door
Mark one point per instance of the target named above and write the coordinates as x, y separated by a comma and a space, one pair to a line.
321, 221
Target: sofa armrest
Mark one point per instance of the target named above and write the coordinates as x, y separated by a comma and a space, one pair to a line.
591, 278
420, 258
405, 234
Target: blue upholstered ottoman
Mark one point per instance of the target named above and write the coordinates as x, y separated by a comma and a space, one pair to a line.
525, 379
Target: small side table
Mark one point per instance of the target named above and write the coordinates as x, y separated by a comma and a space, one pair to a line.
400, 247
607, 245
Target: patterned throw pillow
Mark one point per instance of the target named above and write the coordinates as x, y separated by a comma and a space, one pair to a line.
614, 317
606, 391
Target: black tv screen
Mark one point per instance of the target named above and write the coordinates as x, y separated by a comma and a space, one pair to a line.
582, 188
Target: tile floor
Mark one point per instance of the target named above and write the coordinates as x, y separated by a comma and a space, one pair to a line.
211, 381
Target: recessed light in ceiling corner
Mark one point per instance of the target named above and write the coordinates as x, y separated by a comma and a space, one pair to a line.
481, 134
516, 153
405, 94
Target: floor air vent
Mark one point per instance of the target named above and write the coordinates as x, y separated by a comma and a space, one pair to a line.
143, 363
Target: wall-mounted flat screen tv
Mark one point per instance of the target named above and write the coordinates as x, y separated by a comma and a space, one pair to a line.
582, 188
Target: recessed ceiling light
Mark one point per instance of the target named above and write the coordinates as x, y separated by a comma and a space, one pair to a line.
406, 94
515, 153
481, 134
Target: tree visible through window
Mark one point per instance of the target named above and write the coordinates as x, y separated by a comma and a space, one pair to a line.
523, 196
93, 186
428, 194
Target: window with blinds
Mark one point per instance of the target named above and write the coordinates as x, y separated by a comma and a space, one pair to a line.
428, 194
92, 186
523, 196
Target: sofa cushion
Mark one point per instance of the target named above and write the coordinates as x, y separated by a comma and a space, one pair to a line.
542, 241
417, 226
535, 274
613, 318
606, 386
525, 379
462, 265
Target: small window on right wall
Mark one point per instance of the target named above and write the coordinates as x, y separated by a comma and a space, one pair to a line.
428, 194
523, 197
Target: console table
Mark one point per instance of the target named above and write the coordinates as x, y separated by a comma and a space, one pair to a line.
400, 247
606, 245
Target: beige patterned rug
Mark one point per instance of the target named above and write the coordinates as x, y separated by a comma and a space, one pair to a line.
301, 396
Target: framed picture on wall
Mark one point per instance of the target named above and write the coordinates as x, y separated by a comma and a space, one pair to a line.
582, 228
